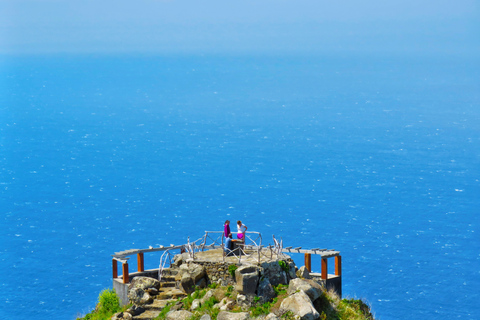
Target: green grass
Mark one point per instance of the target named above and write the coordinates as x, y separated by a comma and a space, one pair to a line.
108, 305
231, 269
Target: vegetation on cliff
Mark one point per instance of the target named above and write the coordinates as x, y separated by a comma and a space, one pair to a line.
328, 305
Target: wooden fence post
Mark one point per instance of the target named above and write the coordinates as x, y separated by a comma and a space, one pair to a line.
125, 272
324, 269
114, 268
308, 262
140, 262
338, 265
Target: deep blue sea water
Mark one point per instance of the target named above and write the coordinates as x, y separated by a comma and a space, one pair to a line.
375, 156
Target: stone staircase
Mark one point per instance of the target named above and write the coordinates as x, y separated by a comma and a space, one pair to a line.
167, 292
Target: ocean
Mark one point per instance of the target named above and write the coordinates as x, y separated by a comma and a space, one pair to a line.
377, 156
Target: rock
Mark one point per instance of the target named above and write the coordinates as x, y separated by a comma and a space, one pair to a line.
144, 283
152, 291
245, 301
181, 271
135, 310
177, 306
312, 288
177, 261
122, 316
301, 305
291, 271
247, 279
274, 273
179, 315
195, 304
206, 317
225, 304
303, 273
272, 316
187, 284
225, 315
265, 291
208, 295
202, 283
196, 271
219, 293
139, 297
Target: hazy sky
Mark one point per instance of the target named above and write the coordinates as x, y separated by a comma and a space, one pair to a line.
261, 26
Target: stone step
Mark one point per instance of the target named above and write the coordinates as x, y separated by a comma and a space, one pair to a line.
147, 315
157, 305
170, 293
168, 284
169, 272
168, 278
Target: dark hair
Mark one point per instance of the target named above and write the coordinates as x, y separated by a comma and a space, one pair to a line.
227, 221
239, 222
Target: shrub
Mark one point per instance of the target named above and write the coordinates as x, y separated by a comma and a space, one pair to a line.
108, 304
285, 267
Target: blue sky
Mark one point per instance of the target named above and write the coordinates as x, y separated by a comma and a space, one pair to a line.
202, 27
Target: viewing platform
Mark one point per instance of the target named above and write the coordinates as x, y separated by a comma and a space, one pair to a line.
210, 251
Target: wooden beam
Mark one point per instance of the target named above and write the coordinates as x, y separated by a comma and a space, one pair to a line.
140, 262
114, 268
324, 268
125, 272
308, 262
338, 265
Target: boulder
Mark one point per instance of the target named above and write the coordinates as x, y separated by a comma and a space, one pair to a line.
303, 273
219, 293
187, 284
179, 315
245, 301
225, 315
206, 317
225, 305
265, 291
177, 306
274, 273
312, 288
177, 260
301, 305
202, 283
144, 283
272, 316
291, 271
152, 291
247, 279
195, 304
139, 297
196, 271
122, 316
135, 310
208, 295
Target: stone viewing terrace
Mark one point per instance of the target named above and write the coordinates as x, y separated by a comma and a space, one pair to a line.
210, 253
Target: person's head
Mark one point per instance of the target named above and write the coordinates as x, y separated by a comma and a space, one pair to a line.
230, 235
239, 222
227, 222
